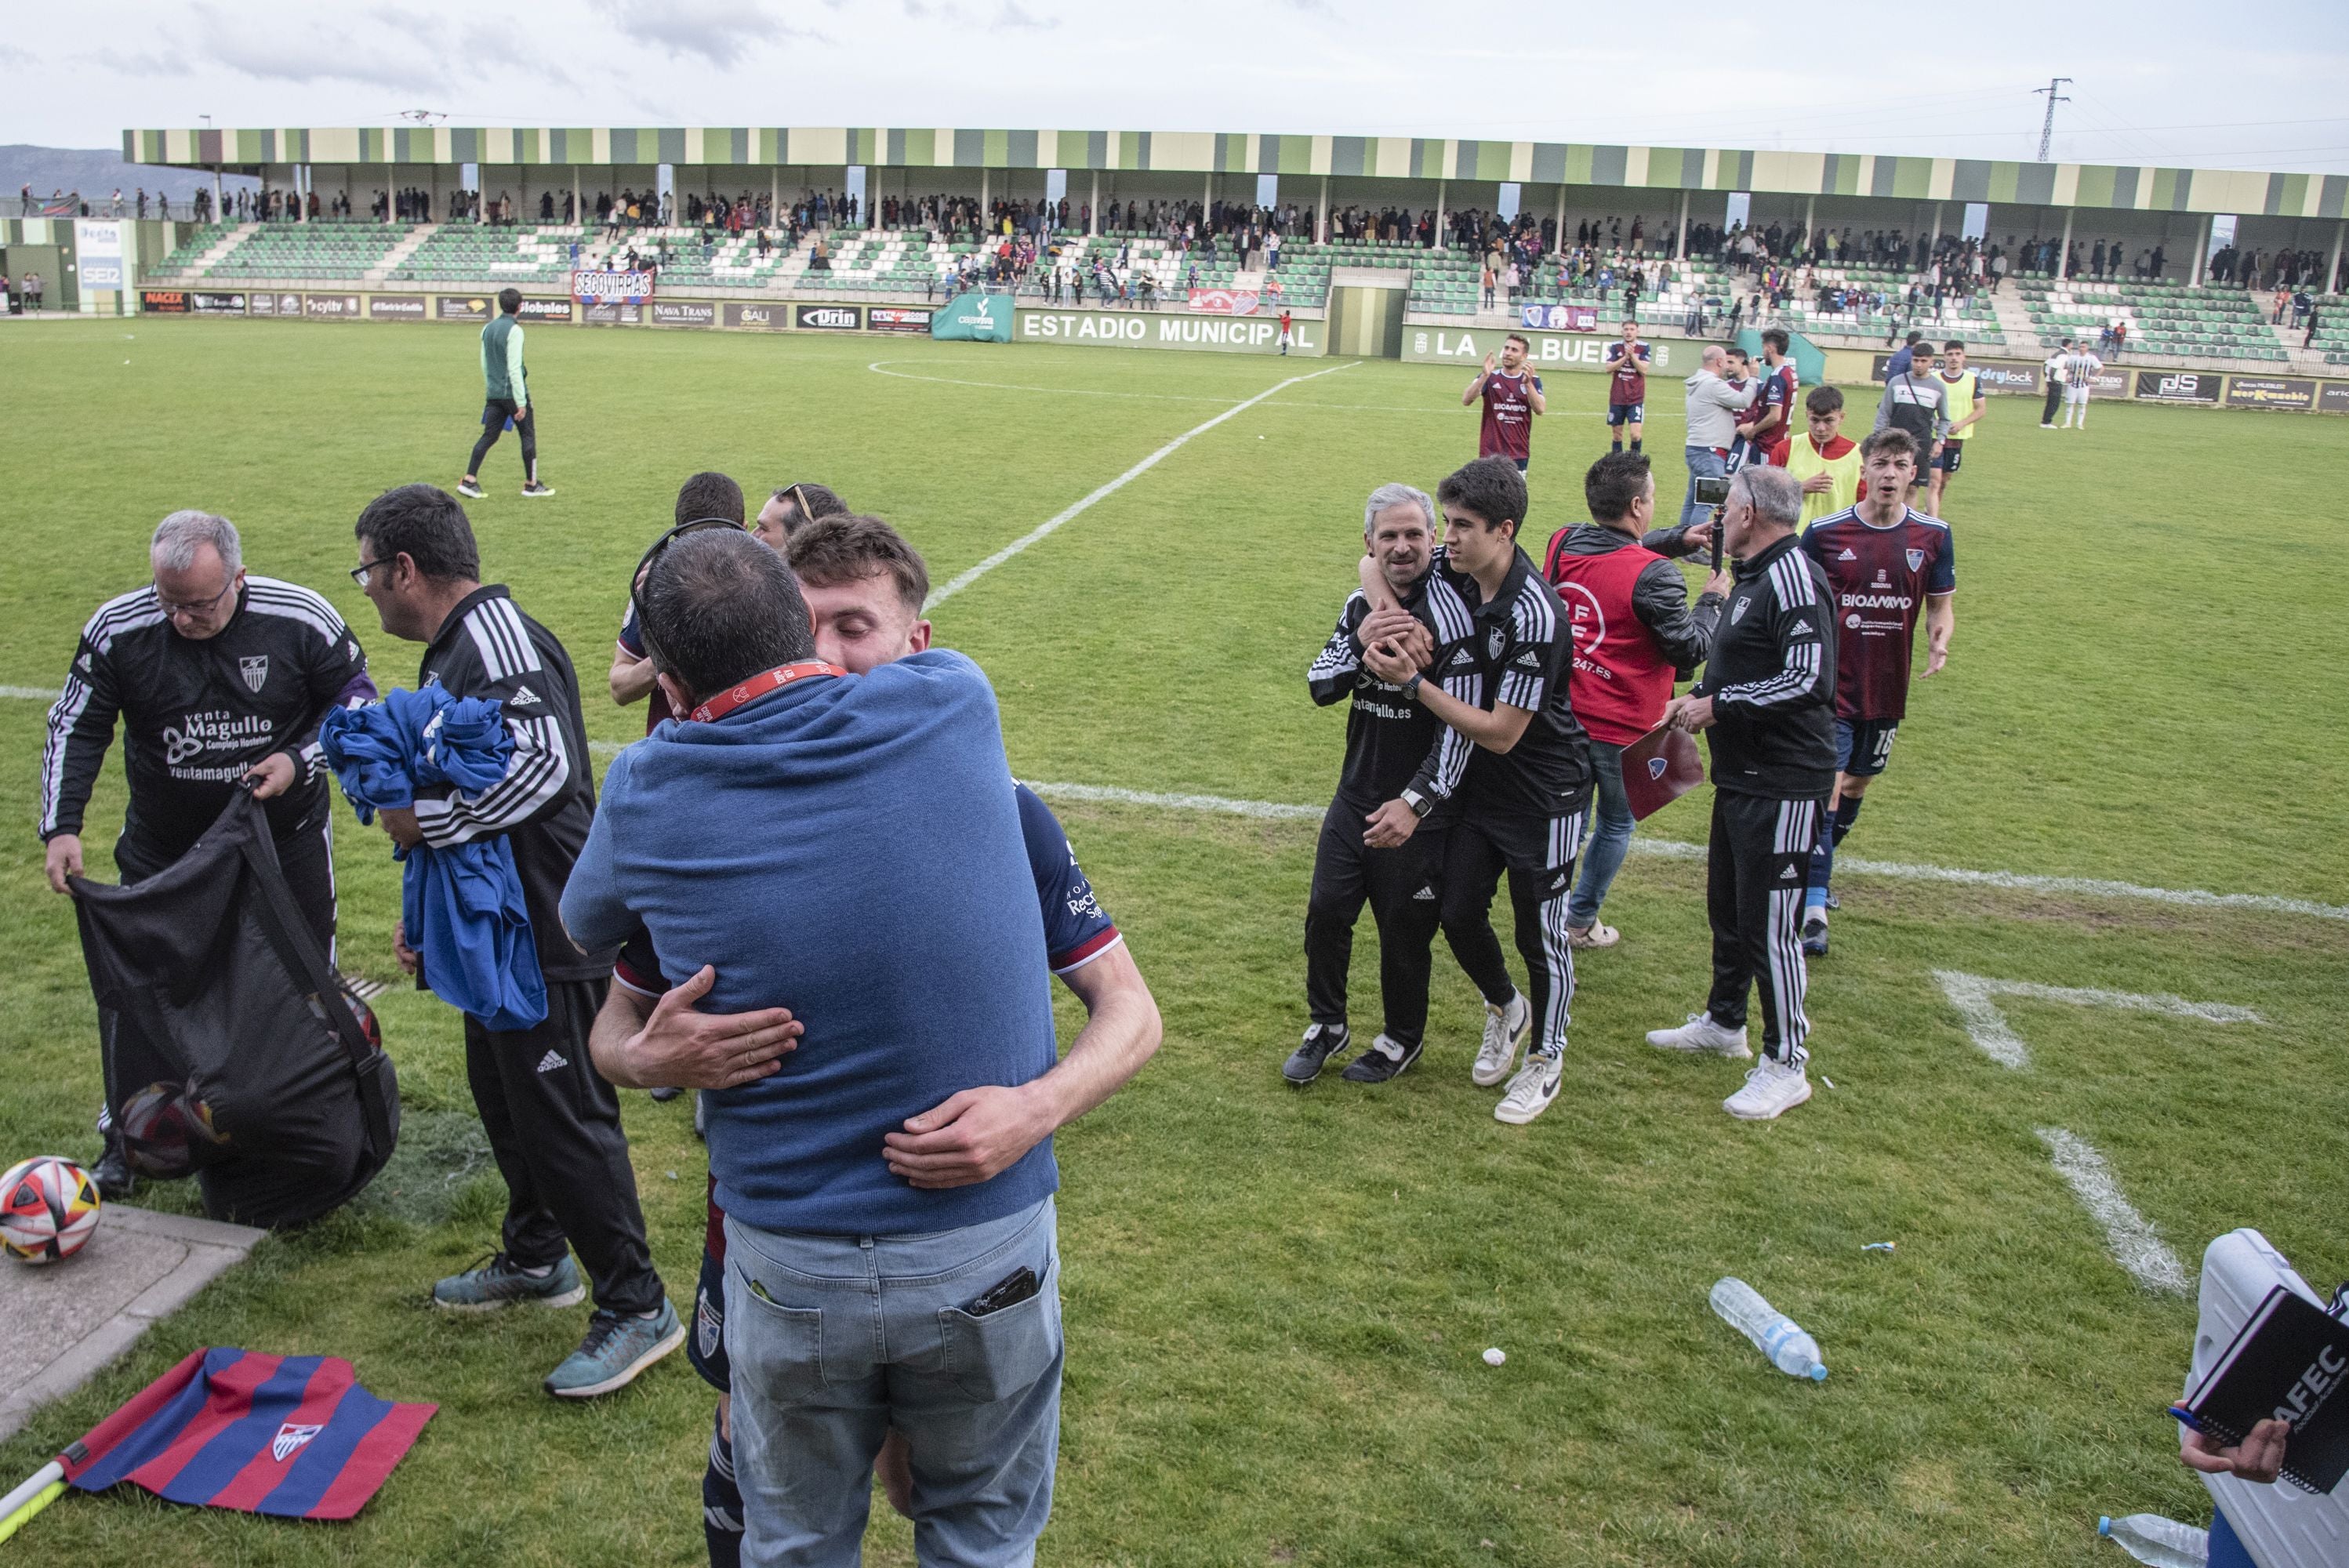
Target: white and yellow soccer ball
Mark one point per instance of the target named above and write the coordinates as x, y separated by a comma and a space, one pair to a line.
49, 1209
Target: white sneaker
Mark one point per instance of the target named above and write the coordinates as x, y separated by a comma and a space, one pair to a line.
1505, 1029
1531, 1090
1598, 934
1702, 1034
1770, 1091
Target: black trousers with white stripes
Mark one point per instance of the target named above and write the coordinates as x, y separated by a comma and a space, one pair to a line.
1758, 865
1403, 886
1538, 854
555, 1129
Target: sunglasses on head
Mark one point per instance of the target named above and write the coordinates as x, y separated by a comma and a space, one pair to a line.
645, 565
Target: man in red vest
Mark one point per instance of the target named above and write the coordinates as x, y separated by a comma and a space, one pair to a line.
1633, 631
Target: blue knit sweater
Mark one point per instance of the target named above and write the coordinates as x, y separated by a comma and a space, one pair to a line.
848, 848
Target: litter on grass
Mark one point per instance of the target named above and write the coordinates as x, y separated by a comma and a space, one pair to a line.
1496, 1355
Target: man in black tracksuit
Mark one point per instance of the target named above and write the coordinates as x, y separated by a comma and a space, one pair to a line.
554, 1123
219, 680
1767, 700
1383, 837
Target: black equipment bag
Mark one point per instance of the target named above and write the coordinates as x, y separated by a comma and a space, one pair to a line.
231, 1050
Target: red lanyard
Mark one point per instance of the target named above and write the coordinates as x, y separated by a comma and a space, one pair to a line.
759, 685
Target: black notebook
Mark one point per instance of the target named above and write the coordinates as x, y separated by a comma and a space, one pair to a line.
2290, 1361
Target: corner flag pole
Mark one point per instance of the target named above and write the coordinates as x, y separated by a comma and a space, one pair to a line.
44, 1486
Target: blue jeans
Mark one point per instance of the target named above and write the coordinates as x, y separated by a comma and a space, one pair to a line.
1610, 835
1704, 462
835, 1339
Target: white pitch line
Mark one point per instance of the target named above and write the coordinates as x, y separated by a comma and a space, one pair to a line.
1221, 803
1975, 998
30, 693
2135, 1244
956, 585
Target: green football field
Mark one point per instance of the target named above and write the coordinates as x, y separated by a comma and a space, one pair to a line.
1276, 1301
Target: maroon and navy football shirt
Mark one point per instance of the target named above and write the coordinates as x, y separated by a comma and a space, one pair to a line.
1508, 416
1878, 580
1628, 387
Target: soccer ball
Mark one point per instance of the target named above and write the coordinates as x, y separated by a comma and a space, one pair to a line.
164, 1131
49, 1209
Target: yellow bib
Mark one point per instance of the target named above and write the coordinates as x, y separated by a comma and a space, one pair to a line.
1803, 460
1964, 394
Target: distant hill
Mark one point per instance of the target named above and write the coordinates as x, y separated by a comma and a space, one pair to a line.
95, 172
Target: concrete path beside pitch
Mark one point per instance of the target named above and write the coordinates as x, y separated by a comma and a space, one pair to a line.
74, 1319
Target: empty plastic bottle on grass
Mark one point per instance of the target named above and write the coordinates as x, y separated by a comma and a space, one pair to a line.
2164, 1543
1775, 1335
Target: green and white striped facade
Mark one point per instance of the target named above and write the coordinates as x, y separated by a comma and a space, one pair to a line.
1663, 170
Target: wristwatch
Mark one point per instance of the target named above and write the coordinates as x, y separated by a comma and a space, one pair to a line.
1420, 804
1411, 687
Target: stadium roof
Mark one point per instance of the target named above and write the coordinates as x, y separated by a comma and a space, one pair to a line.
2092, 185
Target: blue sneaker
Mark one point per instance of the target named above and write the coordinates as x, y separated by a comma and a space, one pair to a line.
496, 1281
618, 1345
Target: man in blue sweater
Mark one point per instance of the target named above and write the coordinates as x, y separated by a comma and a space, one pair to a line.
862, 1292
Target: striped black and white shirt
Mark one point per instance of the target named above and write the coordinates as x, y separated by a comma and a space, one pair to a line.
1526, 647
1392, 742
489, 648
1772, 678
195, 713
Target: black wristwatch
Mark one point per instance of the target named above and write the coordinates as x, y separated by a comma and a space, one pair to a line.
1411, 687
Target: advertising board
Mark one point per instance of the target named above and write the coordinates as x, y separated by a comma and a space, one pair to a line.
1447, 345
757, 317
897, 318
203, 303
1143, 329
2270, 392
683, 313
164, 302
396, 307
273, 304
98, 254
467, 307
330, 306
1558, 318
1224, 302
2333, 398
547, 310
828, 317
603, 285
2176, 385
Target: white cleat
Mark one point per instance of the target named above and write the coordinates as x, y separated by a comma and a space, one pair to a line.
1531, 1091
1702, 1034
1771, 1090
1505, 1029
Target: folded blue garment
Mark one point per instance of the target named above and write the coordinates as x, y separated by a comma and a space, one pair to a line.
462, 903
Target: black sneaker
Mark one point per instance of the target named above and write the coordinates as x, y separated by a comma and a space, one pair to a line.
115, 1181
470, 489
1385, 1059
1815, 938
535, 489
1322, 1042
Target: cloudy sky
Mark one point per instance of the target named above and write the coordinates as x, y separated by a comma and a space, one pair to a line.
2157, 82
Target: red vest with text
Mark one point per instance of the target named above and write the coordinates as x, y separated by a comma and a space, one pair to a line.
1621, 680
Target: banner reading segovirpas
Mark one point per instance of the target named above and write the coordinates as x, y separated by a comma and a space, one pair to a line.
1154, 329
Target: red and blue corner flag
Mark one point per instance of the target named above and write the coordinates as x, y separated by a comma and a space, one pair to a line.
292, 1436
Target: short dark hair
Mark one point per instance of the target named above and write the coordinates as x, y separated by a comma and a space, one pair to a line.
848, 547
719, 606
811, 500
424, 523
1520, 339
1489, 489
510, 301
1613, 485
1776, 336
1824, 399
1954, 343
1891, 439
1916, 337
709, 494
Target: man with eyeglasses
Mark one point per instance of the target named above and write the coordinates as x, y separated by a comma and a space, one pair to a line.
554, 1123
219, 680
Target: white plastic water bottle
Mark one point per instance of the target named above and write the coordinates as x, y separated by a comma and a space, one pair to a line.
1775, 1335
2165, 1542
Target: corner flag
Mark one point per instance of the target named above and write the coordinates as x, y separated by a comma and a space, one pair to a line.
292, 1436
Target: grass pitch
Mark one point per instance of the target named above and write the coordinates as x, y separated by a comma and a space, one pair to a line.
1276, 1301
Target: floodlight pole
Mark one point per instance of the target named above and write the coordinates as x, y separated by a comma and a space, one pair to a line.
2047, 126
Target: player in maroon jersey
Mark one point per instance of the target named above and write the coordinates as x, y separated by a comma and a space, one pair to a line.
1513, 396
1884, 563
1627, 387
1769, 418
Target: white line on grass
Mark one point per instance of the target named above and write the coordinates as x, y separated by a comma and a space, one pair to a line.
1222, 803
2133, 1243
956, 585
30, 693
1013, 386
1975, 998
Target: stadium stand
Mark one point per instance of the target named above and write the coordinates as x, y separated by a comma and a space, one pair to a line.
2162, 318
326, 252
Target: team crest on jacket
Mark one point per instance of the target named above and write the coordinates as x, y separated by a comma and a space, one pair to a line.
1737, 611
254, 668
1496, 642
1916, 560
